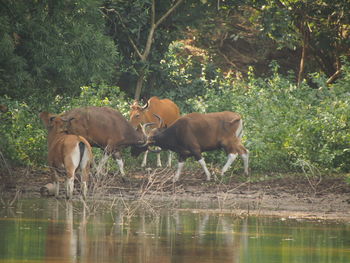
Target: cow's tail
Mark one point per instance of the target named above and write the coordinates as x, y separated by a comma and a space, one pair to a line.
82, 157
239, 131
81, 150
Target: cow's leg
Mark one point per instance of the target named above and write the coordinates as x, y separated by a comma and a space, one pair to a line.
169, 158
121, 166
120, 162
245, 157
71, 163
70, 169
159, 162
204, 166
234, 147
144, 161
70, 183
83, 186
180, 166
56, 183
230, 158
197, 154
85, 169
244, 153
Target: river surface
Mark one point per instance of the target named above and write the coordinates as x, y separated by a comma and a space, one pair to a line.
50, 230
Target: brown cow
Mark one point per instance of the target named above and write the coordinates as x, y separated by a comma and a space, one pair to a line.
195, 133
105, 128
66, 151
164, 108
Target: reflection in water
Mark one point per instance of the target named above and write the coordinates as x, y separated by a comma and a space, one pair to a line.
59, 231
61, 238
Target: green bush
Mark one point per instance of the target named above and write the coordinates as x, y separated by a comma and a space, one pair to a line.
285, 123
23, 141
285, 126
23, 136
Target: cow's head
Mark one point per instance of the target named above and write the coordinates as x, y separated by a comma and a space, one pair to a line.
137, 114
47, 119
153, 130
54, 123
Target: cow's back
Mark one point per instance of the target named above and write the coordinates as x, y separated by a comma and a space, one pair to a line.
164, 108
224, 115
207, 129
99, 125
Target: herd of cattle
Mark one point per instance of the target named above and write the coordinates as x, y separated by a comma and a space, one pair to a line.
158, 123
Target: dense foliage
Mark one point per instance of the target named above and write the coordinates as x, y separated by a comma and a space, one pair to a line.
286, 128
49, 48
57, 55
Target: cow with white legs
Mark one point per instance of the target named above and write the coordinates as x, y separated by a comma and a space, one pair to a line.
195, 133
66, 152
105, 128
166, 109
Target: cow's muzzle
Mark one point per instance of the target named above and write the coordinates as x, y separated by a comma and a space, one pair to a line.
145, 143
158, 150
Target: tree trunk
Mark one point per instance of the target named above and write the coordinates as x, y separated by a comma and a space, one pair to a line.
150, 38
139, 84
305, 31
302, 65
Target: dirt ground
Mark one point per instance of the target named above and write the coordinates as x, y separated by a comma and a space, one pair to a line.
286, 196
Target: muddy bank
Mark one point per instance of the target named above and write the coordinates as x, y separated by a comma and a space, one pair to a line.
282, 196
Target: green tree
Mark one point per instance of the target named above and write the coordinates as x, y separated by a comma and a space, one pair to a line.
50, 48
320, 29
137, 22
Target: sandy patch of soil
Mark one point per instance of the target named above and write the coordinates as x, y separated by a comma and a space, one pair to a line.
283, 196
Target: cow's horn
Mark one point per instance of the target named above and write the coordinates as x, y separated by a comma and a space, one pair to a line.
160, 120
145, 106
141, 144
144, 126
135, 105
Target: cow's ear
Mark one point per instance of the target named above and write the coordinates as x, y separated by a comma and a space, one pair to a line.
68, 120
47, 118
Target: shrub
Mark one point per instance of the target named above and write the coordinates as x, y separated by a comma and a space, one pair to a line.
285, 123
23, 136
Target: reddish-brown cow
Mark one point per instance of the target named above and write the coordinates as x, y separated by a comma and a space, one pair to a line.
105, 128
195, 133
164, 108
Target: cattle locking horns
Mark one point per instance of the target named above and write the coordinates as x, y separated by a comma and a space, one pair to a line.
195, 133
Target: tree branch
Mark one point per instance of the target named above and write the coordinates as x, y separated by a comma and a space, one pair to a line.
126, 30
168, 12
155, 25
334, 77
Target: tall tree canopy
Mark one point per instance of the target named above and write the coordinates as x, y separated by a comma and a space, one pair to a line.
52, 47
303, 35
144, 29
321, 29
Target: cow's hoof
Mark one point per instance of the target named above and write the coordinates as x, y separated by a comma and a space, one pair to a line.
47, 190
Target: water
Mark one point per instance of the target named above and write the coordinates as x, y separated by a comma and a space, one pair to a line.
47, 230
